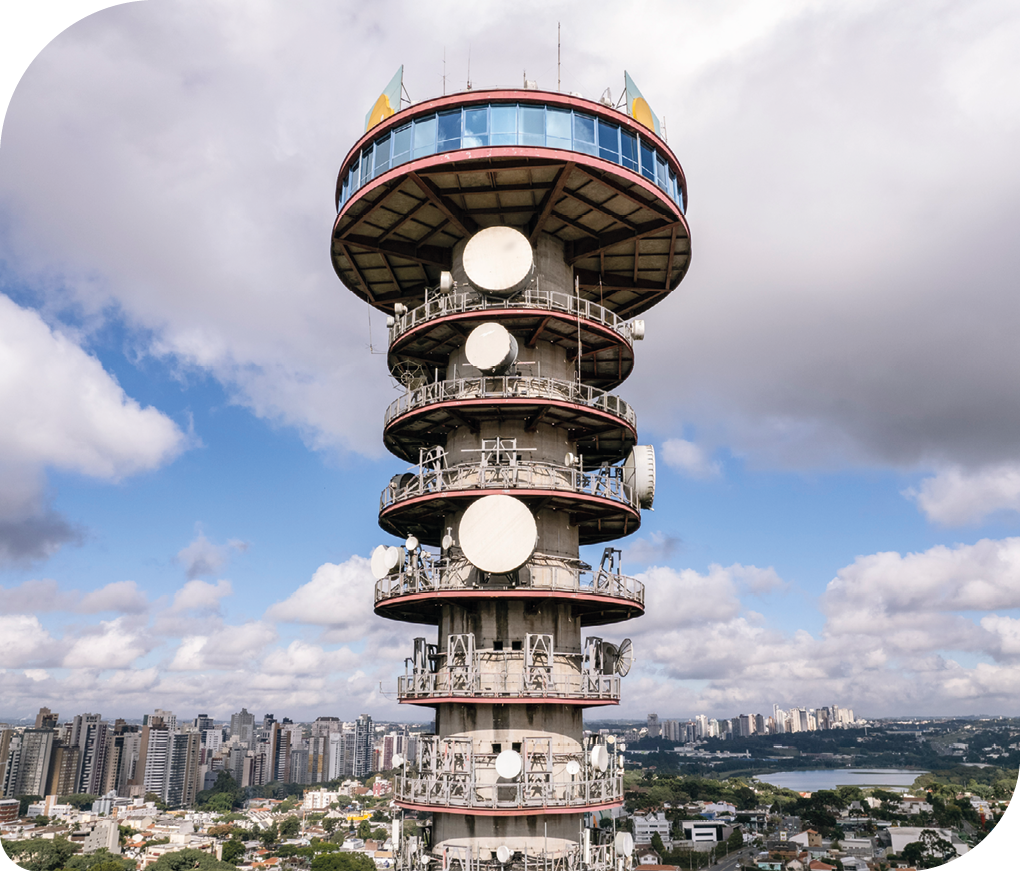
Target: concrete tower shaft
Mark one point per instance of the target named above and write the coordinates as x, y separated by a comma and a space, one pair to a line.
511, 236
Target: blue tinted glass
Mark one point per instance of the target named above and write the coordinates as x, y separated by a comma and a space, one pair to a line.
532, 125
584, 134
355, 175
503, 119
647, 162
673, 191
557, 126
476, 127
401, 144
382, 155
609, 141
346, 189
366, 164
449, 131
628, 150
661, 176
424, 137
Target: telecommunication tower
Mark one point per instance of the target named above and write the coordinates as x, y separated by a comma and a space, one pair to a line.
511, 236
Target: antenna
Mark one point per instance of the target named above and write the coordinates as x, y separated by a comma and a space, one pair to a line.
444, 70
558, 45
469, 69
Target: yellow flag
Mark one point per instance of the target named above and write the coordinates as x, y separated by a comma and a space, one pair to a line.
388, 102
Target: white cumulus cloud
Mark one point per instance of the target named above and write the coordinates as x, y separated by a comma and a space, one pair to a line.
958, 497
690, 459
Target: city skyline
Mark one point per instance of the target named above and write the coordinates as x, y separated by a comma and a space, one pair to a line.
836, 514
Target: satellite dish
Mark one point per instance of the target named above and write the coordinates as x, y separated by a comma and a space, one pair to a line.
637, 329
610, 739
412, 375
600, 757
398, 760
503, 854
624, 657
573, 767
498, 260
508, 764
639, 474
490, 348
447, 542
498, 533
624, 844
621, 747
383, 561
445, 281
570, 460
411, 543
425, 859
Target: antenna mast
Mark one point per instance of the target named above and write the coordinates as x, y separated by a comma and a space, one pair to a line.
558, 44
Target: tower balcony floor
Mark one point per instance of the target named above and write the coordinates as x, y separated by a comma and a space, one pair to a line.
427, 334
599, 503
603, 426
417, 594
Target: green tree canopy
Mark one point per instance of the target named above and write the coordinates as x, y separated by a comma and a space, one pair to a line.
189, 859
233, 852
342, 862
80, 800
40, 854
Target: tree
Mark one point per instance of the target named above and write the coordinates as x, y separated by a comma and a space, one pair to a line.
329, 824
289, 828
364, 829
189, 859
25, 801
80, 800
40, 854
233, 851
100, 860
342, 862
657, 844
913, 853
269, 836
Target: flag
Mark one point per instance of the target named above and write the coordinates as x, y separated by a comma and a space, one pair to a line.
638, 108
388, 102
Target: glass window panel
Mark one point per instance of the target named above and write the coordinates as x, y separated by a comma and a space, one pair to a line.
346, 189
628, 150
584, 134
609, 141
647, 162
401, 145
674, 191
382, 155
424, 136
661, 175
557, 124
355, 175
532, 125
503, 118
476, 127
366, 165
449, 131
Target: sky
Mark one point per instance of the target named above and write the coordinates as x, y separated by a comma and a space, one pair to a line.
191, 409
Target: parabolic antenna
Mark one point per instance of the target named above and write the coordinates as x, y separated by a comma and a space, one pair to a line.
624, 657
411, 543
398, 760
621, 747
503, 854
498, 534
490, 348
610, 739
573, 767
508, 764
498, 260
624, 844
447, 542
600, 757
384, 560
639, 474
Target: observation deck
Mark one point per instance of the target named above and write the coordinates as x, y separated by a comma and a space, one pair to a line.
435, 173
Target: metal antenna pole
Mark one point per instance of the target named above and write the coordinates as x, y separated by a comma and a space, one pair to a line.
558, 46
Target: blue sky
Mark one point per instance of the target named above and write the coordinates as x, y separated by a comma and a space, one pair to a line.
191, 437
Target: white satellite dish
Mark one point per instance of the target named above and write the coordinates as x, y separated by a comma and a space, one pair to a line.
639, 474
398, 760
447, 542
637, 329
498, 260
411, 543
621, 747
600, 757
624, 657
570, 460
624, 844
508, 764
490, 348
384, 560
498, 533
573, 767
610, 739
503, 854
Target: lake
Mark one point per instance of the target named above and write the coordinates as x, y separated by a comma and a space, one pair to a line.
812, 780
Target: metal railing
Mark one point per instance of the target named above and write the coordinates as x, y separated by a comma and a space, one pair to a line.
458, 301
428, 573
449, 774
510, 387
605, 482
594, 856
491, 674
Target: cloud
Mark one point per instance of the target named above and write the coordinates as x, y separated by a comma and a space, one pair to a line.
231, 647
658, 548
40, 596
113, 644
63, 411
24, 642
957, 496
689, 459
122, 596
337, 596
202, 557
201, 596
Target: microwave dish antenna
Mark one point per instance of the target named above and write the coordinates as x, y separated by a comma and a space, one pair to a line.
624, 657
498, 261
498, 534
509, 764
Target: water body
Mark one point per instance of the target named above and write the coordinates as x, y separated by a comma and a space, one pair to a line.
896, 779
